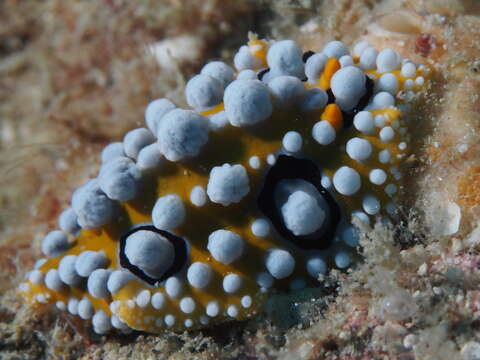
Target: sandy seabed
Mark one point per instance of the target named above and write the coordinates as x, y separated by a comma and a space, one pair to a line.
77, 75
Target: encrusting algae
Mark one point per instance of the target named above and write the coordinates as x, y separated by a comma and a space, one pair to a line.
194, 218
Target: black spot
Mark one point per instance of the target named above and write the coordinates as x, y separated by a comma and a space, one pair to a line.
362, 103
289, 167
331, 97
180, 254
369, 84
306, 55
348, 116
261, 73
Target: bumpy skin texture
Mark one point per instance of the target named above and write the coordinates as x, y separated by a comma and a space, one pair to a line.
211, 279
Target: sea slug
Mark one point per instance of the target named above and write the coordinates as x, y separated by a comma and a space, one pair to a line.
195, 217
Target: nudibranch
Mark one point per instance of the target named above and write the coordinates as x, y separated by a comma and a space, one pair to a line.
195, 217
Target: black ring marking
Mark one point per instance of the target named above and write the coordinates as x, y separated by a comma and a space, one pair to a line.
180, 254
289, 167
